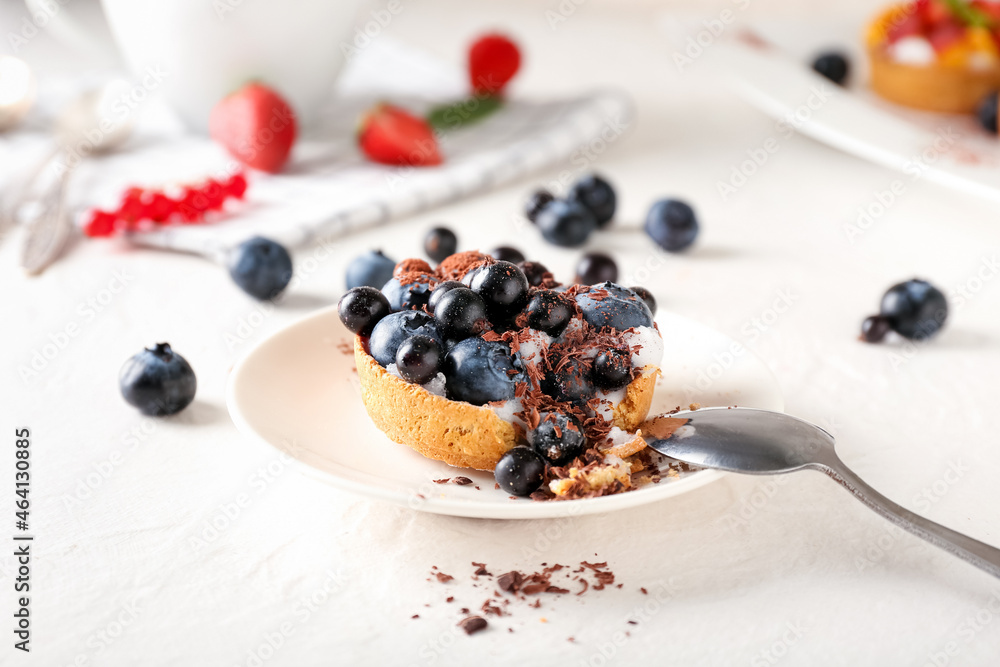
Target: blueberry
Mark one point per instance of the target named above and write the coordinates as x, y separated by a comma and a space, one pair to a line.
395, 328
549, 311
536, 273
261, 267
418, 359
647, 298
460, 313
915, 309
413, 296
672, 224
469, 275
595, 268
611, 305
612, 369
362, 308
565, 223
833, 65
439, 243
538, 200
568, 380
439, 292
597, 195
503, 287
507, 254
372, 269
987, 112
479, 371
558, 438
874, 329
520, 471
158, 381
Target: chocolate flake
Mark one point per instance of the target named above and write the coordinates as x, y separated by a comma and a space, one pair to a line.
443, 578
473, 624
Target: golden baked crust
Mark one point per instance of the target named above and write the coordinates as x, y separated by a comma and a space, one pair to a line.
940, 87
458, 433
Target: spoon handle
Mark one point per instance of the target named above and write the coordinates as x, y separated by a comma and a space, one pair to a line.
981, 555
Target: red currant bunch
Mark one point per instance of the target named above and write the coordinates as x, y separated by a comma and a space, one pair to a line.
141, 209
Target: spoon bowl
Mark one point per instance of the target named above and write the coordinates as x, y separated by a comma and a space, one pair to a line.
747, 441
760, 442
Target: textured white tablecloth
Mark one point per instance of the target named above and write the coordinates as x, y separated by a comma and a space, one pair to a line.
175, 541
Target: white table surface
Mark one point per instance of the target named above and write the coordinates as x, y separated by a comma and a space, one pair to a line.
758, 571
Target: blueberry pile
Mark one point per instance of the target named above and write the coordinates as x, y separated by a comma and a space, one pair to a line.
467, 324
589, 205
914, 309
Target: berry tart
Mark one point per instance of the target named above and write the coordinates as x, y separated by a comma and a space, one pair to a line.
482, 363
937, 55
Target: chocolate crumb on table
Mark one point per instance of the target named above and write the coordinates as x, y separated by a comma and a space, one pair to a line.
473, 624
443, 578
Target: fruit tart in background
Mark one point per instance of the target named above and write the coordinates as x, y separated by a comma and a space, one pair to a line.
936, 55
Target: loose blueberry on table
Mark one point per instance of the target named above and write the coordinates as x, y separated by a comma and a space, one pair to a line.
549, 355
372, 269
672, 224
596, 267
261, 267
596, 195
833, 65
158, 381
566, 223
507, 254
538, 200
914, 309
439, 243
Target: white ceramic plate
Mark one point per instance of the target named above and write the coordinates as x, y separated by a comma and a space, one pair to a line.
772, 72
297, 391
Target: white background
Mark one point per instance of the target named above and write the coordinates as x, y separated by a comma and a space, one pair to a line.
754, 571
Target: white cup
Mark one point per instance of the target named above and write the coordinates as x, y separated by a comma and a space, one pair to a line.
195, 52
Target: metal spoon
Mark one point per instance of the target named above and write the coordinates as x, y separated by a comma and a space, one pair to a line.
82, 129
759, 442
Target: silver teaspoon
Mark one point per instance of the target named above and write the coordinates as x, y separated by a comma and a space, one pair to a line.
759, 442
82, 129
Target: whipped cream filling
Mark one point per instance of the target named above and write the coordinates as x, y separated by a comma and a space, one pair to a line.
436, 385
913, 50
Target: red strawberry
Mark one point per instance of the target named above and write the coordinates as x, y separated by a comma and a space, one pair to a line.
493, 61
390, 135
256, 126
945, 34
